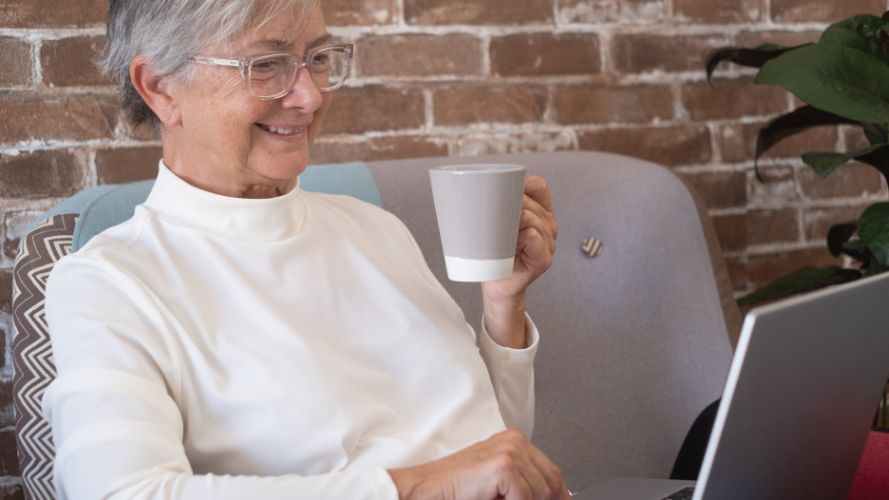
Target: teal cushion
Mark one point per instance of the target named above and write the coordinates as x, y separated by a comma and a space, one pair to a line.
101, 207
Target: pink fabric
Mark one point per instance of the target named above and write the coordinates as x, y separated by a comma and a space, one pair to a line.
872, 480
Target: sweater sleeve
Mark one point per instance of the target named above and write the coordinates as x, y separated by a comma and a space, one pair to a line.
511, 370
113, 407
512, 374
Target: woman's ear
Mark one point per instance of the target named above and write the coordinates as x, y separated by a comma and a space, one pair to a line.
155, 91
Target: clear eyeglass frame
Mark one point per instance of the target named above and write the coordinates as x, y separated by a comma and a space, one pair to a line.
247, 65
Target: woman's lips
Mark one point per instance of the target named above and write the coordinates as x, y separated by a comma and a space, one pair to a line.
283, 131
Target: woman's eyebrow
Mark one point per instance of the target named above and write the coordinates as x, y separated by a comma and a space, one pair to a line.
320, 40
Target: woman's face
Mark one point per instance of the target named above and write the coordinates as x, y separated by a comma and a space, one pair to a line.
224, 140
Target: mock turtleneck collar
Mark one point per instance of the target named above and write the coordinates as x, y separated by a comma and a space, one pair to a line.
260, 220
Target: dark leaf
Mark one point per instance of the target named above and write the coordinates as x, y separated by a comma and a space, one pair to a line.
879, 159
838, 235
859, 252
792, 123
833, 78
754, 58
825, 163
799, 281
860, 33
875, 133
873, 231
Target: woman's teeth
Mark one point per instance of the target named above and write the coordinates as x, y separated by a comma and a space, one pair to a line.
279, 131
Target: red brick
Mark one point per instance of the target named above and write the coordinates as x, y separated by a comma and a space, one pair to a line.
374, 108
508, 143
764, 269
52, 14
772, 226
9, 463
720, 189
359, 12
7, 416
753, 39
817, 221
15, 59
12, 492
855, 138
121, 165
3, 348
545, 54
75, 118
143, 132
602, 11
71, 61
14, 225
776, 186
850, 180
377, 148
719, 11
733, 99
825, 11
438, 12
5, 295
40, 174
737, 272
671, 146
606, 104
462, 106
737, 142
639, 53
731, 231
419, 55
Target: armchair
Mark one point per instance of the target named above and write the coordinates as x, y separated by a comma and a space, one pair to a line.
636, 341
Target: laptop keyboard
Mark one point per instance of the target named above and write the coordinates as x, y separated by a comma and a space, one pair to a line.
683, 494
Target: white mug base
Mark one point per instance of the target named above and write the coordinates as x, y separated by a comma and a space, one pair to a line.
476, 270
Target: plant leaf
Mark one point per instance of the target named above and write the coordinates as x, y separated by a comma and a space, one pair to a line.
825, 163
833, 78
838, 235
801, 280
754, 58
875, 133
862, 33
792, 123
859, 252
873, 230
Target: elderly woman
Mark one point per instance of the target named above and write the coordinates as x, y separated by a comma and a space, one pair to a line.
242, 338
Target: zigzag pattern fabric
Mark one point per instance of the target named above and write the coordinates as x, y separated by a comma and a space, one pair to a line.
32, 351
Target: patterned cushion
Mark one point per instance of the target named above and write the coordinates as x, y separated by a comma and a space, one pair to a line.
32, 353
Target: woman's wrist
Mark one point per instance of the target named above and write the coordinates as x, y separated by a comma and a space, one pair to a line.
505, 321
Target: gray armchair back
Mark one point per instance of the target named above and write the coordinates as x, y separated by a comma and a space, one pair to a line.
635, 341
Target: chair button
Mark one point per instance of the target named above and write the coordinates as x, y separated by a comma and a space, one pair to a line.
592, 247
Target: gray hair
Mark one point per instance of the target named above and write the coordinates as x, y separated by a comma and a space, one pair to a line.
170, 32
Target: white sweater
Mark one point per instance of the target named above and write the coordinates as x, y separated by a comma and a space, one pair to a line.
294, 347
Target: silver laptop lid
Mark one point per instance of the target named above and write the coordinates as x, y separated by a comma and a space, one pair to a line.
801, 394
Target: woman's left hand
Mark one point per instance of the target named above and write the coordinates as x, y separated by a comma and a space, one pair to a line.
504, 300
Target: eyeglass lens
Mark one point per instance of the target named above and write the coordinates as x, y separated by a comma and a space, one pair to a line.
271, 76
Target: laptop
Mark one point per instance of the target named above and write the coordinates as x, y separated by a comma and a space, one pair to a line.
800, 398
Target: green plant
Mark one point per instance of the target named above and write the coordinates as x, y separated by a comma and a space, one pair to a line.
843, 79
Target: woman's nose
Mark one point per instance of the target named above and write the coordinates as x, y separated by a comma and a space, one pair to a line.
304, 93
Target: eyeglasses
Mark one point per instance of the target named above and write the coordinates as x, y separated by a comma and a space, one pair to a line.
271, 76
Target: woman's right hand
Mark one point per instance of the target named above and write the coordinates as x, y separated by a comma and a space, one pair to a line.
505, 466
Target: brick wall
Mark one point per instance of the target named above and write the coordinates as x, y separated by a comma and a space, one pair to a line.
465, 77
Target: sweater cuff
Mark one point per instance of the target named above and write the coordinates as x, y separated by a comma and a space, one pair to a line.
507, 355
385, 486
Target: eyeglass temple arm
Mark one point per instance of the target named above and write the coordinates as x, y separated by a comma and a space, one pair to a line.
217, 61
